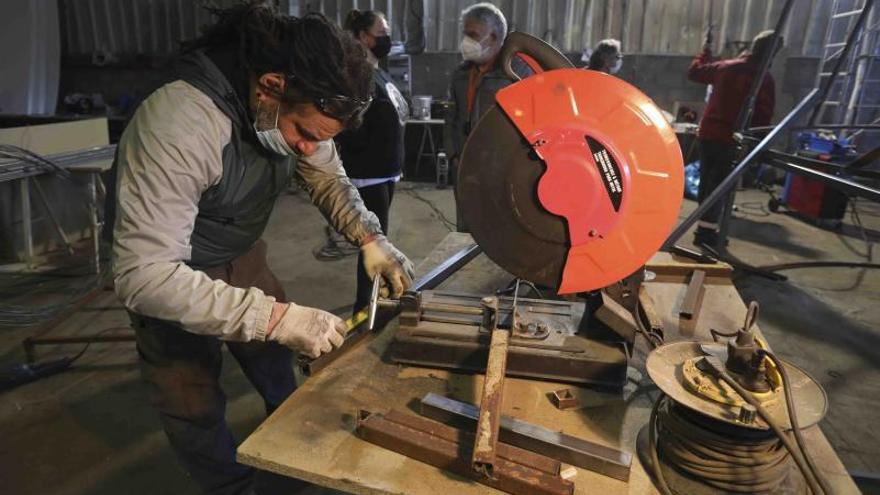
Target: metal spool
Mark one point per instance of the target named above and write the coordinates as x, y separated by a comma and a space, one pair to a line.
708, 440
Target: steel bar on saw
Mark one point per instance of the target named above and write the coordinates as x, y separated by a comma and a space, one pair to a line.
557, 445
729, 182
489, 422
432, 279
517, 471
693, 296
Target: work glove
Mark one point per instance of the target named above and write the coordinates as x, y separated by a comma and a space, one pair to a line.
310, 331
382, 259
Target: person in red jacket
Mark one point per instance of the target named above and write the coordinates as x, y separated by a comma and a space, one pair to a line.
731, 81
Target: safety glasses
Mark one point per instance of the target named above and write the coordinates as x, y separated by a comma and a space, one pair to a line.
342, 107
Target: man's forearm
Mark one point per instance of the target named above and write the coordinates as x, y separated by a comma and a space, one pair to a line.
177, 293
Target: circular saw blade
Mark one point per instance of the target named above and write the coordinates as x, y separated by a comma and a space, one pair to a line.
573, 180
497, 192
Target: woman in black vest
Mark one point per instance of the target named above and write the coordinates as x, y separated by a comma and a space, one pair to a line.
373, 154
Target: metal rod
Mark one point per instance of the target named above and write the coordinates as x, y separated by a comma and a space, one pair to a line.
849, 186
728, 183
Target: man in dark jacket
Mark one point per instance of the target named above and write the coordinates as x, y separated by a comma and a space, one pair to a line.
731, 81
475, 82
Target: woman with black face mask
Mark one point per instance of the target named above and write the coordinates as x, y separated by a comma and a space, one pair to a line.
373, 153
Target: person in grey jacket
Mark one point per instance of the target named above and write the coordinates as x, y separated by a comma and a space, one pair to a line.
474, 83
199, 168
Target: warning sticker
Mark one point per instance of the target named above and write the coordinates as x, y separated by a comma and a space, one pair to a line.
608, 170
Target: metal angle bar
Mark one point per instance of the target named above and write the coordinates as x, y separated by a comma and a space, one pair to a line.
489, 423
448, 448
728, 183
554, 444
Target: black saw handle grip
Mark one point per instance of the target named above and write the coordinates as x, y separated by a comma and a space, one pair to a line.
547, 57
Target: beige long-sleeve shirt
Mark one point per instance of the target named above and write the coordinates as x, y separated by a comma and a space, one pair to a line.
169, 155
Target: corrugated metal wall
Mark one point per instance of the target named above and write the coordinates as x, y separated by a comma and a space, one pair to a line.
154, 27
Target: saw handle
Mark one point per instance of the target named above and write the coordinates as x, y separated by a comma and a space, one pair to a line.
539, 55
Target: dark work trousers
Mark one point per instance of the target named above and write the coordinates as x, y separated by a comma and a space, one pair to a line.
377, 199
716, 163
182, 370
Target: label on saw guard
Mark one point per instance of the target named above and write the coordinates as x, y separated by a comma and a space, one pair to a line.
608, 170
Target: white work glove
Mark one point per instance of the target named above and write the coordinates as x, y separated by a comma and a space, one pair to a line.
381, 258
310, 331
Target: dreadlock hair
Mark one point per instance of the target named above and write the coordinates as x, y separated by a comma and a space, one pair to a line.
358, 21
317, 58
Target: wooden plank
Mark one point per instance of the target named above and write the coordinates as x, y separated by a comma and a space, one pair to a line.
311, 435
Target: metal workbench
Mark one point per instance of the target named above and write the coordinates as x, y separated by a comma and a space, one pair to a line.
311, 435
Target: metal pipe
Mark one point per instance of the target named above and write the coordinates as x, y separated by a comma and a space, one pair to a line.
733, 177
849, 186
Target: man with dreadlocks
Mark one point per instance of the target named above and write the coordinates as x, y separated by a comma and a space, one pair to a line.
258, 98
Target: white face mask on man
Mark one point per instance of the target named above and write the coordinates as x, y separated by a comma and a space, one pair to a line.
271, 138
615, 67
473, 50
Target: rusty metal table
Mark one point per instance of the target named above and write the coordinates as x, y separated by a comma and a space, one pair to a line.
310, 435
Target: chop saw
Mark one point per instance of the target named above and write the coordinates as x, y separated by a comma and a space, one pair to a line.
571, 181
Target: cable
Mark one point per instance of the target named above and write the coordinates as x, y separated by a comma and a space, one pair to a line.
652, 446
716, 368
792, 415
743, 462
733, 462
39, 284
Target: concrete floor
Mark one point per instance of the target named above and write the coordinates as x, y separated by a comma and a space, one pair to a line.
91, 431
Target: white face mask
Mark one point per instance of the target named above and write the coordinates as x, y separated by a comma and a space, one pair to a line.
473, 50
616, 67
271, 139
